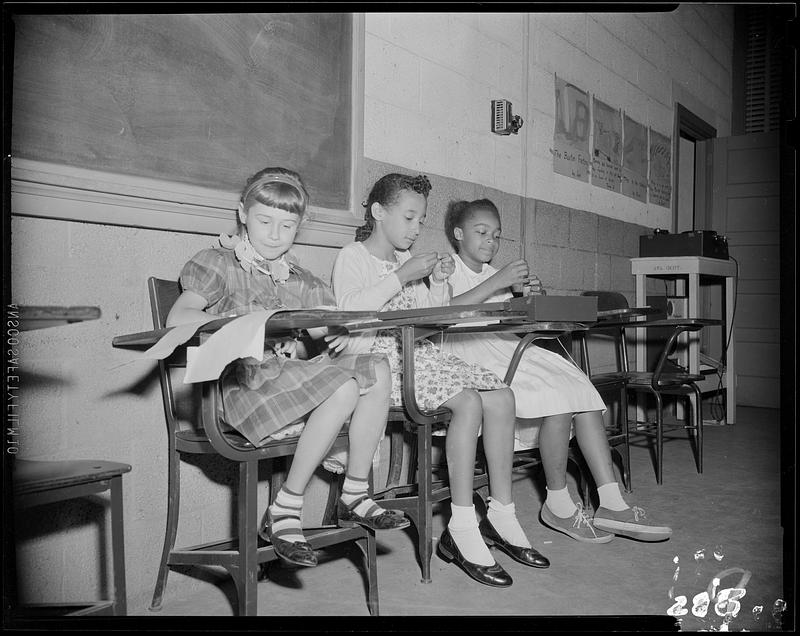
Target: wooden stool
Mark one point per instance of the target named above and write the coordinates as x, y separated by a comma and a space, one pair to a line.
43, 482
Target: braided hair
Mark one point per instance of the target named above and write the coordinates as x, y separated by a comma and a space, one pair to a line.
386, 191
459, 211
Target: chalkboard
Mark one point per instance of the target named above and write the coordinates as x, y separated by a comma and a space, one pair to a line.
199, 99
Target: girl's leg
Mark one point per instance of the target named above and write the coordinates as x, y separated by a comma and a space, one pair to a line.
460, 446
613, 514
553, 446
591, 434
559, 511
322, 427
367, 428
368, 423
498, 441
498, 444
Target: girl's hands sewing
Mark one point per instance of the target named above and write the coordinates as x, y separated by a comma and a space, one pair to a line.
534, 285
417, 267
445, 266
513, 273
337, 338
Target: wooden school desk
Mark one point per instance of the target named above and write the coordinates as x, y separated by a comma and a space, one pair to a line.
414, 325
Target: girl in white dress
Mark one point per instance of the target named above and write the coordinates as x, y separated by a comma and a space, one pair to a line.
547, 387
377, 272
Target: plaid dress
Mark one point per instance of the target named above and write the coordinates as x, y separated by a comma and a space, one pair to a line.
261, 398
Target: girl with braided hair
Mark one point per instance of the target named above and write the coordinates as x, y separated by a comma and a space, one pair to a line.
377, 272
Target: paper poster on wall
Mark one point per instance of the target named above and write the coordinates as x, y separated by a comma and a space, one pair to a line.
607, 146
571, 137
634, 160
659, 185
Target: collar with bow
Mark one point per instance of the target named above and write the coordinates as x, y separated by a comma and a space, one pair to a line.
251, 261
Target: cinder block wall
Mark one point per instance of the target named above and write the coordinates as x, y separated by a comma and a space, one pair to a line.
430, 79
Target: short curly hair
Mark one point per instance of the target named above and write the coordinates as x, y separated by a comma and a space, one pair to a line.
459, 211
386, 191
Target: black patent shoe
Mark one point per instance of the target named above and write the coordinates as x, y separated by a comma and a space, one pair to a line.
385, 520
526, 556
294, 552
493, 575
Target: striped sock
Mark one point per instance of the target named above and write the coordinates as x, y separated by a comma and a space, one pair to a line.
286, 511
355, 488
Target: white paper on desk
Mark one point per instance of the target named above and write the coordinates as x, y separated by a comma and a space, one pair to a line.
240, 338
169, 341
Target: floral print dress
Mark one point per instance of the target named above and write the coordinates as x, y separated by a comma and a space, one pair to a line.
438, 375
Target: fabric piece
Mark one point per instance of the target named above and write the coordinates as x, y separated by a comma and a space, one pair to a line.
243, 337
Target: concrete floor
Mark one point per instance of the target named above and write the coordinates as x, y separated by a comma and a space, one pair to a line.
728, 517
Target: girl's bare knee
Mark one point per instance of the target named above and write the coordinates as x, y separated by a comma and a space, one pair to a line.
467, 402
500, 401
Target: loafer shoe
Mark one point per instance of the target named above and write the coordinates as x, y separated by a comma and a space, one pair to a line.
631, 522
578, 526
526, 556
384, 520
493, 575
294, 552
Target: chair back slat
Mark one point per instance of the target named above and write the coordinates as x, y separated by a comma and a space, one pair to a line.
163, 294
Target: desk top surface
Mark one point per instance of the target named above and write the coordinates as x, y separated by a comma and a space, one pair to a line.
455, 318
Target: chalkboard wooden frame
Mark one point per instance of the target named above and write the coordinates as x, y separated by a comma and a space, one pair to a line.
52, 190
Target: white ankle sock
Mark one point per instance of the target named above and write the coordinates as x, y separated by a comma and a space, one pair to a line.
560, 502
611, 497
504, 519
287, 503
463, 528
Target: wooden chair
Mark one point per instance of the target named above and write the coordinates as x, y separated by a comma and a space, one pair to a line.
665, 379
37, 483
418, 492
240, 556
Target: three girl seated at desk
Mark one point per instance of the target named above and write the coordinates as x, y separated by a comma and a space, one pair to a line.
359, 376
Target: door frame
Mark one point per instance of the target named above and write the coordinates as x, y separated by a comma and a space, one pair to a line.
691, 127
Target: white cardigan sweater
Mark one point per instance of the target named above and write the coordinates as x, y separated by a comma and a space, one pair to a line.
357, 287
